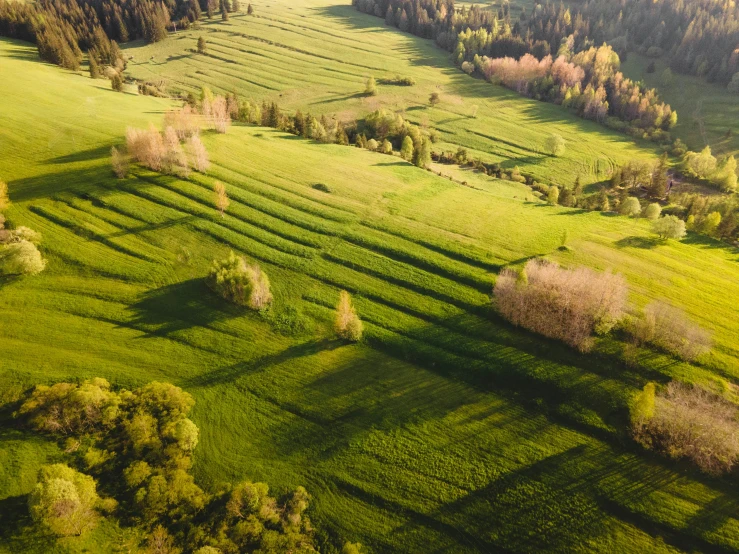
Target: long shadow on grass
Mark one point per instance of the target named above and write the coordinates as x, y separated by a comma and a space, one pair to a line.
184, 305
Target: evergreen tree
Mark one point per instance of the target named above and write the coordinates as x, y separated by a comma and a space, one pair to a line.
94, 67
250, 10
422, 153
116, 82
201, 46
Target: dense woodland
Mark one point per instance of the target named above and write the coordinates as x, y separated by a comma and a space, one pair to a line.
699, 37
63, 29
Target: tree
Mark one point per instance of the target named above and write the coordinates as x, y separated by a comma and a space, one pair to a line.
4, 198
21, 258
370, 88
434, 99
386, 147
348, 326
199, 155
553, 195
667, 78
250, 10
116, 82
406, 150
700, 165
422, 154
235, 6
733, 85
224, 11
372, 145
630, 207
64, 500
669, 227
556, 145
161, 542
711, 223
221, 198
202, 49
653, 211
604, 204
240, 283
94, 67
726, 176
119, 163
642, 407
351, 548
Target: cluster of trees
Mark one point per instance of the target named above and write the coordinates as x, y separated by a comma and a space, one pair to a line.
687, 421
381, 131
565, 304
704, 166
588, 83
546, 56
19, 254
176, 150
716, 216
700, 37
64, 29
697, 37
138, 444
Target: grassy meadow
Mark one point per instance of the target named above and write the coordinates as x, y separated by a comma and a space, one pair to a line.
315, 55
446, 430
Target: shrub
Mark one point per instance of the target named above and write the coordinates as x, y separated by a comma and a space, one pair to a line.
64, 500
198, 154
669, 328
21, 258
322, 187
146, 147
370, 87
669, 227
119, 163
406, 150
690, 422
553, 195
653, 211
565, 304
221, 198
240, 283
630, 207
4, 198
434, 98
700, 164
348, 326
556, 145
175, 159
202, 48
184, 121
372, 145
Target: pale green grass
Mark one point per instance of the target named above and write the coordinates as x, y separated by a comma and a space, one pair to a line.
446, 431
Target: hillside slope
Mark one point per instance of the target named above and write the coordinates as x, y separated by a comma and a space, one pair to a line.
447, 431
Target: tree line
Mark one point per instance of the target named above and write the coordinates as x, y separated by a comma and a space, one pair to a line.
64, 29
699, 37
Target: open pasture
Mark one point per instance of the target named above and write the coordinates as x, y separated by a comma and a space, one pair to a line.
446, 431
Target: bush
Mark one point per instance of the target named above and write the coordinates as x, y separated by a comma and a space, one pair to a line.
630, 207
240, 283
653, 211
669, 227
348, 326
669, 328
370, 87
568, 305
21, 258
556, 145
690, 422
322, 187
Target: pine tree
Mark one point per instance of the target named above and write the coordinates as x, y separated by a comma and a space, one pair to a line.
201, 46
94, 67
250, 10
235, 6
116, 82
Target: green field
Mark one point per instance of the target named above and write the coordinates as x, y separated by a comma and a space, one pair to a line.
316, 55
447, 430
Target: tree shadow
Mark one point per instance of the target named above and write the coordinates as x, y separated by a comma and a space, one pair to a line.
646, 243
184, 305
